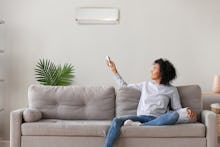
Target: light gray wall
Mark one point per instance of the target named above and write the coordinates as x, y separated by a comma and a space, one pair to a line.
187, 32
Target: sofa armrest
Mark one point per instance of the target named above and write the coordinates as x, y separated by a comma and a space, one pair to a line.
16, 118
210, 121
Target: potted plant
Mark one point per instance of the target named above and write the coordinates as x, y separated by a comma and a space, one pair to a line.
47, 73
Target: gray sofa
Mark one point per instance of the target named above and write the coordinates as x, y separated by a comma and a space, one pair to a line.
76, 116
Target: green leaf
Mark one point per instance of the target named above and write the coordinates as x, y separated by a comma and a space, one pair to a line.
47, 73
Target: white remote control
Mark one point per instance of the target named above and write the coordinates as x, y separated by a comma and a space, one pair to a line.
108, 59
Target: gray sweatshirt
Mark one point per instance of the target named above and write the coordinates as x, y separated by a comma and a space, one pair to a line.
155, 99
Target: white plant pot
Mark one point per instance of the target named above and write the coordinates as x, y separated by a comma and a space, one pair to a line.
216, 84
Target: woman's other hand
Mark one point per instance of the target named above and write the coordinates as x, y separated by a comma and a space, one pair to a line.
191, 114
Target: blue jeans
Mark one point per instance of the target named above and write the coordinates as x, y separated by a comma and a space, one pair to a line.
168, 118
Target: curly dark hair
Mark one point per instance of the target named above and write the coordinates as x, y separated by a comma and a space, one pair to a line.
167, 71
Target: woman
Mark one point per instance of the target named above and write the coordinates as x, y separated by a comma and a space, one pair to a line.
153, 107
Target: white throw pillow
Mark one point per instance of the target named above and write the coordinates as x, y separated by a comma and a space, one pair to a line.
31, 115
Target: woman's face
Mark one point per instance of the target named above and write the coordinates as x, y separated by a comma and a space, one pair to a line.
155, 72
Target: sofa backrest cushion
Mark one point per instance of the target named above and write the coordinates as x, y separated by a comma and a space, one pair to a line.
191, 96
127, 99
73, 102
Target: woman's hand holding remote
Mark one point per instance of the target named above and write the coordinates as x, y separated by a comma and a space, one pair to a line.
111, 65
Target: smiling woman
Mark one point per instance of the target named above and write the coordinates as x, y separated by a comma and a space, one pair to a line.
156, 95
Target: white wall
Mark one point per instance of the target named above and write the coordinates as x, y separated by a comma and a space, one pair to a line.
187, 32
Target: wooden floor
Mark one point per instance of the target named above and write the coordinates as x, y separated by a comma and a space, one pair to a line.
4, 143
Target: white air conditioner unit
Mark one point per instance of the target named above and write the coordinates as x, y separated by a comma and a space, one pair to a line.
97, 15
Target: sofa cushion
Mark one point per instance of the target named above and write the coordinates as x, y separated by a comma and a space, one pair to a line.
73, 102
55, 127
31, 115
127, 99
191, 96
179, 130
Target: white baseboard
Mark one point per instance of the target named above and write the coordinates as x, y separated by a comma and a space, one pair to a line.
4, 143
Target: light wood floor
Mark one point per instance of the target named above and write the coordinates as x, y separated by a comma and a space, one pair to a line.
6, 143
